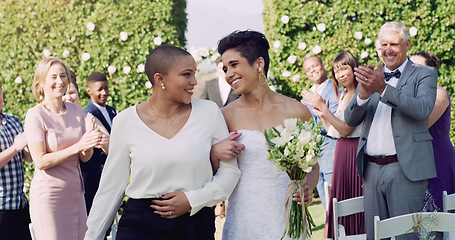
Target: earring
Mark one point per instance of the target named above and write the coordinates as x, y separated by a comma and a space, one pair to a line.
162, 86
261, 73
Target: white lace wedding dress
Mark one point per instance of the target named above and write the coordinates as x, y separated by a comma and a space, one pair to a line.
255, 209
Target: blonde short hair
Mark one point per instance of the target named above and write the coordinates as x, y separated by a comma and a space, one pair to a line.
41, 74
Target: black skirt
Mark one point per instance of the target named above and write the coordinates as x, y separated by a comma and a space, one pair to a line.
140, 222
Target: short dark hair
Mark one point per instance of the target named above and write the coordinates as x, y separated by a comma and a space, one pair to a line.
161, 59
250, 44
73, 80
96, 77
344, 58
430, 59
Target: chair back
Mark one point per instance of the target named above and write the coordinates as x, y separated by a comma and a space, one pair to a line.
345, 208
448, 204
413, 222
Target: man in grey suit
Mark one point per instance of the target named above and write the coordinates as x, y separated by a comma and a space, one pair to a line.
395, 155
218, 90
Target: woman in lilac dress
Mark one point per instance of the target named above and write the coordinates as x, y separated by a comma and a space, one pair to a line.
444, 152
346, 182
57, 139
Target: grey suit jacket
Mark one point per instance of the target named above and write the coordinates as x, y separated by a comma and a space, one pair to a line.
412, 101
212, 92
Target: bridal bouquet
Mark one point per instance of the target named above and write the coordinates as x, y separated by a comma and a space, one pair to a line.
295, 148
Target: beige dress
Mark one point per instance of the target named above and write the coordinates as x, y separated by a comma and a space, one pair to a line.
57, 206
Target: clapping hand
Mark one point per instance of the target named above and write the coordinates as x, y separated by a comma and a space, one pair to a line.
313, 100
369, 80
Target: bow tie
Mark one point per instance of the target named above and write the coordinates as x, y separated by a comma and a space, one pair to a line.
388, 76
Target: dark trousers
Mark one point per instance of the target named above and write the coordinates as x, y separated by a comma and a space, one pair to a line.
140, 222
14, 224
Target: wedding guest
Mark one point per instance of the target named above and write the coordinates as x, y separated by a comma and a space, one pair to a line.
98, 89
395, 154
322, 85
160, 157
444, 152
346, 182
14, 210
57, 138
72, 93
256, 207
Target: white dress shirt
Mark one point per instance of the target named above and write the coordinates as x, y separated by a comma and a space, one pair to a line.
155, 165
380, 138
320, 88
104, 112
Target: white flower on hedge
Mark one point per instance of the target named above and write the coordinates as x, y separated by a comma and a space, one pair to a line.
123, 36
285, 19
85, 57
141, 68
317, 49
368, 41
321, 27
66, 53
286, 74
111, 69
364, 54
276, 44
157, 41
18, 80
302, 46
148, 84
413, 31
296, 78
46, 53
126, 69
292, 59
358, 35
90, 26
203, 52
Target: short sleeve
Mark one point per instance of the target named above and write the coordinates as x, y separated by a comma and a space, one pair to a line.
34, 126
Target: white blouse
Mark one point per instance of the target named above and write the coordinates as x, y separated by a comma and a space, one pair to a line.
332, 132
159, 165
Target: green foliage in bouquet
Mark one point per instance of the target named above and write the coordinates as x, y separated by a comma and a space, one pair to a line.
88, 35
295, 148
297, 29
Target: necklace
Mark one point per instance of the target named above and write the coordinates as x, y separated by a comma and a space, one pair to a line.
158, 116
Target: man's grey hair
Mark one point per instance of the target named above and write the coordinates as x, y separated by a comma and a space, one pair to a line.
397, 27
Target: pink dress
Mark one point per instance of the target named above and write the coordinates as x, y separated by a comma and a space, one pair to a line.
57, 206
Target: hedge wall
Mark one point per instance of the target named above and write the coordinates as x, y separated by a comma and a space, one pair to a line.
297, 29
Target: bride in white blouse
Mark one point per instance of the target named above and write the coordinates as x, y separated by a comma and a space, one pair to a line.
162, 148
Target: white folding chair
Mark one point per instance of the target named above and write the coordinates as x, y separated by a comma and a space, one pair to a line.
427, 221
448, 204
327, 194
32, 233
345, 208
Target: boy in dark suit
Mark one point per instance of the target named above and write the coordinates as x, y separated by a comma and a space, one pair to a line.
98, 89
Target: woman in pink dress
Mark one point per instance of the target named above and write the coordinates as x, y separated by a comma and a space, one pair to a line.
57, 139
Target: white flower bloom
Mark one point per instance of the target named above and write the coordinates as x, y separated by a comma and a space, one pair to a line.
358, 35
148, 84
304, 137
203, 52
126, 69
85, 57
66, 53
286, 74
292, 59
290, 124
111, 69
276, 44
412, 31
317, 49
123, 36
90, 26
285, 19
321, 27
141, 68
18, 80
302, 46
157, 41
46, 53
296, 78
368, 41
283, 139
364, 54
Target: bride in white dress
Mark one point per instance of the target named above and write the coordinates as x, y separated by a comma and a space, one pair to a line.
256, 208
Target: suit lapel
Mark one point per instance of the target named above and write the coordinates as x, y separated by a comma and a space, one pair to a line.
97, 113
406, 74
